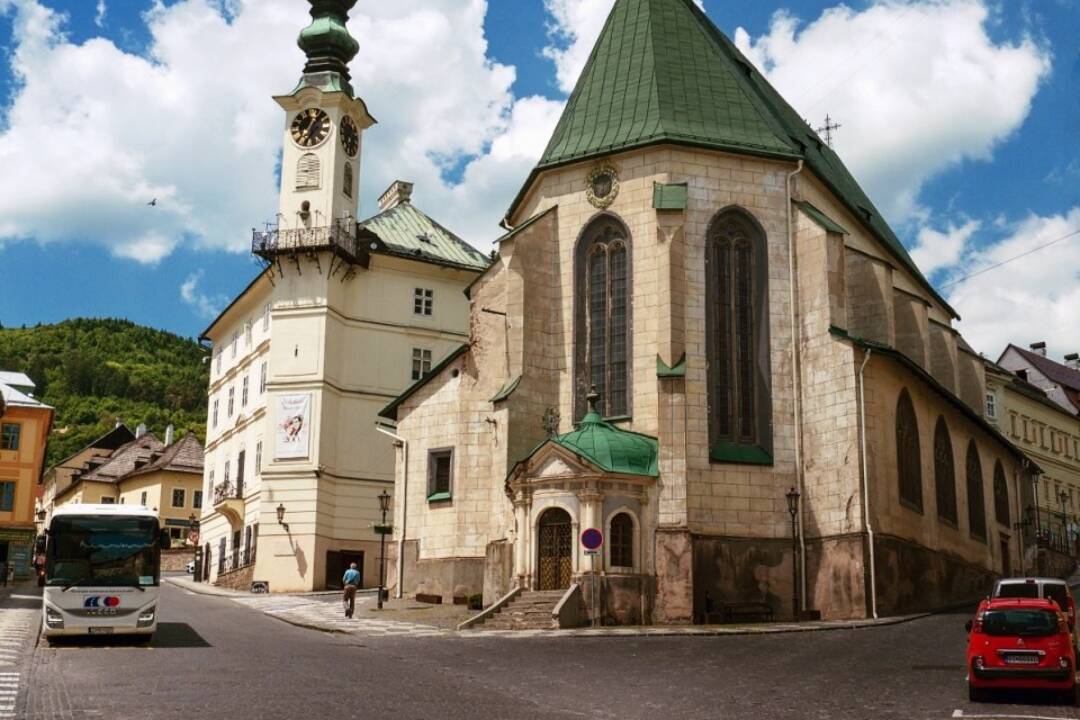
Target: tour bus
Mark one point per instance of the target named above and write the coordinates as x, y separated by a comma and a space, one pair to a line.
102, 571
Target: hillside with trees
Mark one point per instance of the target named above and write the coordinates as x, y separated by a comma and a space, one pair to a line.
96, 372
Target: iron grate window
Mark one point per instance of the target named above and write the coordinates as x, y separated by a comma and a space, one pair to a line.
976, 503
944, 473
908, 457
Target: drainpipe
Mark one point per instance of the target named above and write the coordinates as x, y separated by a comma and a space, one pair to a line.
866, 484
1018, 525
403, 499
796, 387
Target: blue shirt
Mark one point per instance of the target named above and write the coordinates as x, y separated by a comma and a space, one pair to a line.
352, 577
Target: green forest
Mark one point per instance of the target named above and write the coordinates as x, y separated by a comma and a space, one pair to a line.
96, 372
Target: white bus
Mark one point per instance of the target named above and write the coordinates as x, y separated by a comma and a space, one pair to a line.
102, 571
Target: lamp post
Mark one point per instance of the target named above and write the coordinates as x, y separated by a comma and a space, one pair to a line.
384, 506
793, 510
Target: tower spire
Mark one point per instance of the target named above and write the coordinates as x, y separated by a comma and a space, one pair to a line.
328, 45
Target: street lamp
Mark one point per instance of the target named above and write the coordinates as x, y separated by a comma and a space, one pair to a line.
281, 517
793, 510
384, 506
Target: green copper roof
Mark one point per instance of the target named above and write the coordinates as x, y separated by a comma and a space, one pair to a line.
823, 220
612, 449
662, 72
655, 75
328, 46
405, 231
670, 196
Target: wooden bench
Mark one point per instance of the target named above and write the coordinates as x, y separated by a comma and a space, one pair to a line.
746, 611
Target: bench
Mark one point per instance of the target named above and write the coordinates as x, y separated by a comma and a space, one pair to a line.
746, 611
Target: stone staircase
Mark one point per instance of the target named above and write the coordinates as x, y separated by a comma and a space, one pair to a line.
531, 610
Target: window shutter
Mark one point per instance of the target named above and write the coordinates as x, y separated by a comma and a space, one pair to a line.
307, 172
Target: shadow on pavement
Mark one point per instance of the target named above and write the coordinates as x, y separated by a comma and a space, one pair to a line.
178, 635
168, 636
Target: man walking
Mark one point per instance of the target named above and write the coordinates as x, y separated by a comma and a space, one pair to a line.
352, 581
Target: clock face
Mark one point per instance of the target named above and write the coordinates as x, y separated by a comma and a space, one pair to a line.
350, 136
310, 127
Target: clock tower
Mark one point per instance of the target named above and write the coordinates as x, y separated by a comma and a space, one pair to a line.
324, 123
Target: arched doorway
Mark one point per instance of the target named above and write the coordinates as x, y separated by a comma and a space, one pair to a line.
555, 534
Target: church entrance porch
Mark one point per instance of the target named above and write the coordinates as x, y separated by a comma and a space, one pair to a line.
555, 563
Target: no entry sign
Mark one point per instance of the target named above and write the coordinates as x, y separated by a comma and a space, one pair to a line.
592, 539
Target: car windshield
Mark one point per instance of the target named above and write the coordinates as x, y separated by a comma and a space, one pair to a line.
1058, 594
103, 550
1027, 623
1017, 590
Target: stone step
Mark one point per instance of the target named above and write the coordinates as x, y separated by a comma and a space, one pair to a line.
497, 625
531, 605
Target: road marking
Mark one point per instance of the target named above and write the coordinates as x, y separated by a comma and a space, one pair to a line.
999, 716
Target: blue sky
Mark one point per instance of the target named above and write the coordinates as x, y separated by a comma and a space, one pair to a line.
960, 117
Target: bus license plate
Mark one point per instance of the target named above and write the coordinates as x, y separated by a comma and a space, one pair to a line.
100, 631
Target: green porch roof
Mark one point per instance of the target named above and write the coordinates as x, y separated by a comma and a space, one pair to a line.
662, 72
612, 449
405, 231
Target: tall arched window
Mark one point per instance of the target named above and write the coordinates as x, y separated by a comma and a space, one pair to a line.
944, 473
347, 180
307, 172
602, 332
737, 337
1001, 495
622, 541
976, 504
908, 457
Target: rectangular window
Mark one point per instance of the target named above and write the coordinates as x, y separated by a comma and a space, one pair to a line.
244, 393
226, 472
240, 475
235, 342
176, 533
421, 363
217, 361
7, 496
178, 497
423, 301
196, 499
440, 474
232, 398
262, 379
247, 333
108, 501
213, 414
991, 405
258, 458
9, 436
266, 317
142, 498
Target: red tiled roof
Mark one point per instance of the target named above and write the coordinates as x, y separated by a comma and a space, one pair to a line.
1062, 375
184, 455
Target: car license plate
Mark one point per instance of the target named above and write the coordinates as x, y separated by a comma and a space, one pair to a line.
100, 631
1021, 660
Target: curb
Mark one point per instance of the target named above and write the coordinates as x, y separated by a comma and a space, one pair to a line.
206, 589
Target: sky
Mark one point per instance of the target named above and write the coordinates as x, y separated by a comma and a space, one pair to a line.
960, 118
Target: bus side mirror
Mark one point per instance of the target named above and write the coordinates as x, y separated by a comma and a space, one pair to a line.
165, 540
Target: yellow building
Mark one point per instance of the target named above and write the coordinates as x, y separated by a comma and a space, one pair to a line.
166, 477
1049, 435
24, 428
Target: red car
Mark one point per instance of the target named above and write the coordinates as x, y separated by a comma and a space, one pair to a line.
1020, 643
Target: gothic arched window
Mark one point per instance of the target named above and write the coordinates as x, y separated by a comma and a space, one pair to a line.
602, 332
737, 337
944, 473
1001, 495
622, 541
908, 457
976, 504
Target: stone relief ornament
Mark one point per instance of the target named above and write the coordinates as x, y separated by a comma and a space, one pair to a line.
602, 186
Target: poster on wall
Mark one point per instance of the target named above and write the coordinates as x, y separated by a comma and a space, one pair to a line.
293, 426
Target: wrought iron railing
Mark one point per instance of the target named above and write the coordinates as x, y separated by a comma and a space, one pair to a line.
227, 491
341, 235
237, 559
1055, 530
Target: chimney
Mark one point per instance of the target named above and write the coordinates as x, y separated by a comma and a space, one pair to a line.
399, 192
1073, 360
140, 431
169, 432
1039, 348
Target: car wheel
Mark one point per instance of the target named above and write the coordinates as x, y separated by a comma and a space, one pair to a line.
975, 694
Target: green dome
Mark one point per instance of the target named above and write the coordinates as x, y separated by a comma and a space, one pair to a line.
612, 449
327, 43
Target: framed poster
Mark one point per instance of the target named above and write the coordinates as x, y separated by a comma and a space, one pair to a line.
293, 428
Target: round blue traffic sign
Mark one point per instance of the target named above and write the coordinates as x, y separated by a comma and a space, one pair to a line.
592, 539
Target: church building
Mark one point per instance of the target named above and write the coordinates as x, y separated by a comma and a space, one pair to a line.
694, 314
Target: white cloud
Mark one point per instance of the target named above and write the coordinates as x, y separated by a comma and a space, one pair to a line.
204, 305
576, 24
97, 132
918, 86
1030, 299
99, 15
937, 249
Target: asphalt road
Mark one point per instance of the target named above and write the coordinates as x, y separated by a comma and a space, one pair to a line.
213, 658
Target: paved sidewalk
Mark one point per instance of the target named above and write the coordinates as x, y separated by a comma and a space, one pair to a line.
436, 620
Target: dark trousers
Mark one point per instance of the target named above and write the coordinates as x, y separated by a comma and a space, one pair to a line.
348, 598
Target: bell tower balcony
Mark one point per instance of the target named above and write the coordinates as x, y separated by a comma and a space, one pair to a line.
342, 239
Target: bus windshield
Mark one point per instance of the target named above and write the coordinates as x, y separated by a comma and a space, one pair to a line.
102, 551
